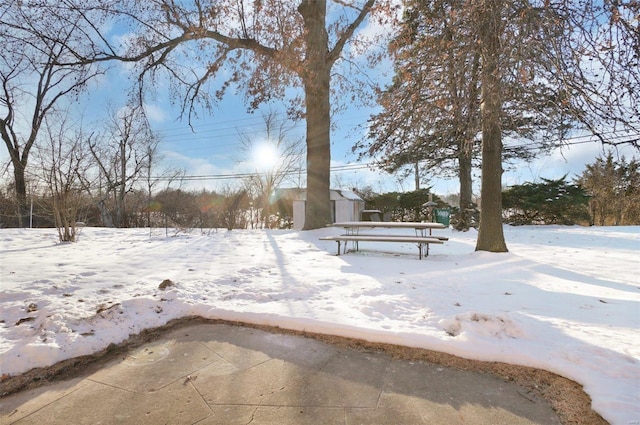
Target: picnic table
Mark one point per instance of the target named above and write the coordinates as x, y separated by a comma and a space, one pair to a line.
420, 237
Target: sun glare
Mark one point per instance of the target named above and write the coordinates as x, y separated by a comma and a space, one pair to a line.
265, 156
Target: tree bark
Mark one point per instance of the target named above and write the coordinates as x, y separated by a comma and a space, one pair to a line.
490, 234
21, 193
122, 190
466, 188
316, 78
19, 162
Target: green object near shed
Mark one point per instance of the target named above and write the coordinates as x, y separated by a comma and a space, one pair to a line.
443, 216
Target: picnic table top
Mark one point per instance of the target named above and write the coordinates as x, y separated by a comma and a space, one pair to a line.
383, 238
390, 224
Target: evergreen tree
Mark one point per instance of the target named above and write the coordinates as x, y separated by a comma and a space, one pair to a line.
490, 67
548, 202
615, 190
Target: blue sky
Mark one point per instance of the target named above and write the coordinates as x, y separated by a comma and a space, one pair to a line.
211, 147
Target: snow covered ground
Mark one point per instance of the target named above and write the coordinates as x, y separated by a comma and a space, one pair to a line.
565, 299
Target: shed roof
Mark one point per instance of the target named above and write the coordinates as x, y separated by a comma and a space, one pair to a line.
300, 194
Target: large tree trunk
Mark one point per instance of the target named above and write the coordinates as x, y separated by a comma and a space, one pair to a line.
19, 163
466, 188
318, 206
122, 190
491, 235
316, 79
21, 193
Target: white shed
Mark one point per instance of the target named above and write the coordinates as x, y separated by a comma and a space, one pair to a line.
346, 205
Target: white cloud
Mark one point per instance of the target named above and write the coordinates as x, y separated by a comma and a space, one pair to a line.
155, 113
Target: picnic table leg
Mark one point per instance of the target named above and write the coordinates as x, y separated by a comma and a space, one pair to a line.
424, 246
355, 245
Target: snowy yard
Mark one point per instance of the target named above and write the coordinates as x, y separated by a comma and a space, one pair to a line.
564, 299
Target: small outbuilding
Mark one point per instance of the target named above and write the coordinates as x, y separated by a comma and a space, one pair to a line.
346, 205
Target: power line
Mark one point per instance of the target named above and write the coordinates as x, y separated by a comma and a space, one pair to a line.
229, 176
577, 140
222, 129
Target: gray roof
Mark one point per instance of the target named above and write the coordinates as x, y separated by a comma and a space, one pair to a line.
301, 194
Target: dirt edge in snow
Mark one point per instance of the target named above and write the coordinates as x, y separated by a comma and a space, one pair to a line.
565, 396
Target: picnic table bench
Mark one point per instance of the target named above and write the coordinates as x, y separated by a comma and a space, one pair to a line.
421, 239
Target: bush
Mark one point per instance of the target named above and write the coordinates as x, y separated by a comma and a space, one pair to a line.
548, 202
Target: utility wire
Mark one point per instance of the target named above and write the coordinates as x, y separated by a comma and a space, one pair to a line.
577, 140
206, 177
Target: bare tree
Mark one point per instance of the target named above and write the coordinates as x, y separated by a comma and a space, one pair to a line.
33, 82
234, 207
266, 47
122, 156
64, 165
596, 53
153, 177
274, 157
